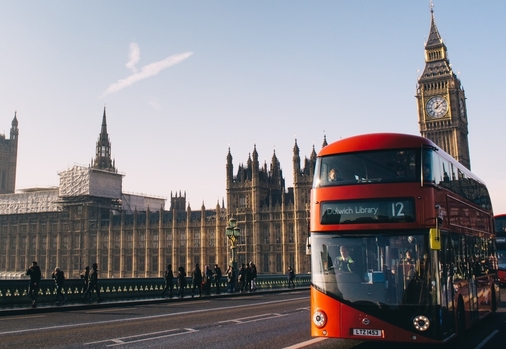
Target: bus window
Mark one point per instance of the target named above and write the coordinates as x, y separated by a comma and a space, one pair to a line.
374, 269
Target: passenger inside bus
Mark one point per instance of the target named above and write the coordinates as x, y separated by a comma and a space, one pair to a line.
344, 262
333, 175
401, 172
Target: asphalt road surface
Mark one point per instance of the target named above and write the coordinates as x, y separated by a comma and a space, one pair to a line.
263, 320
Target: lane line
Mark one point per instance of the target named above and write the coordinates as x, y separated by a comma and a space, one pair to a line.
20, 317
483, 342
188, 331
144, 337
254, 318
306, 343
146, 317
106, 310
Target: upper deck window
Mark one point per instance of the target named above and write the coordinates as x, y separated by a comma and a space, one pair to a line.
373, 166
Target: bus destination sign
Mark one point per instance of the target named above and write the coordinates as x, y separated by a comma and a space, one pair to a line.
391, 210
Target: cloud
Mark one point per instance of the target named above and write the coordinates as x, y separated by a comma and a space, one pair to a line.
146, 71
134, 56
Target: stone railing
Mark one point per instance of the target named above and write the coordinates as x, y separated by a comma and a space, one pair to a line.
14, 293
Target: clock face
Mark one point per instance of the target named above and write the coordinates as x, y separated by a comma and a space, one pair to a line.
462, 108
437, 107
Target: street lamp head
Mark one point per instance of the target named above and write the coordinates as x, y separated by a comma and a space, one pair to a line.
229, 231
237, 231
232, 222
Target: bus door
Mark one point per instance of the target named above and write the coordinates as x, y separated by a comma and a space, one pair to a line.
446, 289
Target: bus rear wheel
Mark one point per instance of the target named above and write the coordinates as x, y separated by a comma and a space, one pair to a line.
461, 321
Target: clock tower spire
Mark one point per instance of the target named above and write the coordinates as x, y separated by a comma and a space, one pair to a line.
442, 113
103, 160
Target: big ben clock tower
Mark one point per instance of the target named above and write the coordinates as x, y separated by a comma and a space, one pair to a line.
442, 113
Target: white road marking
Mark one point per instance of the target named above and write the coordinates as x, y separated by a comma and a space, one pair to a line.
21, 317
144, 317
106, 310
254, 318
483, 342
306, 343
144, 337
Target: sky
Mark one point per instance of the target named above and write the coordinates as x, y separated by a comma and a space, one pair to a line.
184, 81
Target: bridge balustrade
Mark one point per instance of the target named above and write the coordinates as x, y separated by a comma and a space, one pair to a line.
14, 293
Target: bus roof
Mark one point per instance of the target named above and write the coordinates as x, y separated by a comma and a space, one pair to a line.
374, 141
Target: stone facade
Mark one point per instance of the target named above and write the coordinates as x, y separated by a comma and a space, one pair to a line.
89, 219
8, 159
442, 111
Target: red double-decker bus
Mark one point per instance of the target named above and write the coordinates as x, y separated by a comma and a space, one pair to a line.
400, 233
500, 230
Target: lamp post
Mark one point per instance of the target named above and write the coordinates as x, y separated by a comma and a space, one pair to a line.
233, 232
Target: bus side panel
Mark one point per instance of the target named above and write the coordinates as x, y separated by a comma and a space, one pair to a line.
502, 276
342, 319
485, 301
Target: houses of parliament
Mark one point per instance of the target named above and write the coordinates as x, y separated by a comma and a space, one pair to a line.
88, 218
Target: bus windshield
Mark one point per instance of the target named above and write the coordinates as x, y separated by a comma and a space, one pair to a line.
372, 166
391, 270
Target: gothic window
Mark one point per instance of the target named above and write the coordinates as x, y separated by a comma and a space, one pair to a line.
117, 240
65, 243
53, 243
76, 263
196, 238
141, 263
13, 243
154, 263
154, 240
243, 201
43, 242
265, 235
278, 233
290, 233
211, 237
182, 238
22, 244
93, 241
128, 263
116, 264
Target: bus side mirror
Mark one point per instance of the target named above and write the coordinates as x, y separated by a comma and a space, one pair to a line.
435, 239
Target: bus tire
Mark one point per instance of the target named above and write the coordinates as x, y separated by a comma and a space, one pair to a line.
494, 301
461, 320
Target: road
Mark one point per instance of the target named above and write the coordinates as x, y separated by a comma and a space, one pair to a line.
263, 320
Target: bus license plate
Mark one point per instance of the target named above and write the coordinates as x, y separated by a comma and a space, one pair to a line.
366, 332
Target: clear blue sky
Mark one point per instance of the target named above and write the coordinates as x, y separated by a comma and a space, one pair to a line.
185, 80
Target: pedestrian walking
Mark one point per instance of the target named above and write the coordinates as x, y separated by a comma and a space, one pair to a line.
217, 278
34, 286
169, 281
181, 281
253, 276
247, 287
291, 277
242, 278
197, 280
230, 279
93, 283
85, 276
207, 279
59, 280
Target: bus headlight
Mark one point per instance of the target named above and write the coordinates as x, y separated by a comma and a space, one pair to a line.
319, 318
421, 323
